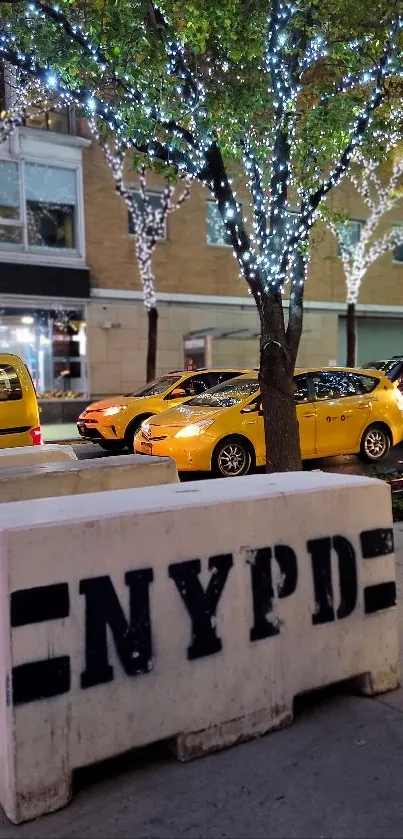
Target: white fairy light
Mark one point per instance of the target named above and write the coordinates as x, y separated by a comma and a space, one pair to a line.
276, 251
380, 199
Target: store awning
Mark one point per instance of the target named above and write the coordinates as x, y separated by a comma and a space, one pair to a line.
44, 280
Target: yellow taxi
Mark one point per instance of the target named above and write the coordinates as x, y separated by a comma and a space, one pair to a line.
113, 423
19, 412
340, 411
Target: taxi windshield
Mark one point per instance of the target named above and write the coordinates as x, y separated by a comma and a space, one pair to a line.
227, 394
157, 387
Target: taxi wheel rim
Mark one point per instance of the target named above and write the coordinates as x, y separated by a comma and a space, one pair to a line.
375, 443
233, 460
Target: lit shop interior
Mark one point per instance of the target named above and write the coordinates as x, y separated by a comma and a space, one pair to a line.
53, 346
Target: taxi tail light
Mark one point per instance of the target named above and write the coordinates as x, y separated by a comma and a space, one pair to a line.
36, 436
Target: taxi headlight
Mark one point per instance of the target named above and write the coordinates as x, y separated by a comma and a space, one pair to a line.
114, 409
194, 429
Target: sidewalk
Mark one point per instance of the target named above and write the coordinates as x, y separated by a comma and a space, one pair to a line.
336, 773
60, 433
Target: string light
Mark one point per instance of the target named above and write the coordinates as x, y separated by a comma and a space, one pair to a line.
380, 198
276, 251
148, 221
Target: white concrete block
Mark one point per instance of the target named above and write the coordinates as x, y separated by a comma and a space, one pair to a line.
33, 455
192, 612
81, 476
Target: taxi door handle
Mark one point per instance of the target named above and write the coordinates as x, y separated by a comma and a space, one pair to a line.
364, 407
308, 415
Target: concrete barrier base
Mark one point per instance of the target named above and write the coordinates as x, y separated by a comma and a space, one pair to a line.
34, 455
193, 614
198, 743
74, 477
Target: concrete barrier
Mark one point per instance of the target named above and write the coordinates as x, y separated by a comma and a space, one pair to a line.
191, 612
76, 477
33, 455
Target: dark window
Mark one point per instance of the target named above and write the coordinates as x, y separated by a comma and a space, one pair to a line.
301, 393
157, 387
398, 251
216, 232
218, 378
334, 385
10, 385
227, 394
154, 200
196, 384
350, 234
366, 384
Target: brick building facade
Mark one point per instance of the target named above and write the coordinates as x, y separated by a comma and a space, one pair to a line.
68, 258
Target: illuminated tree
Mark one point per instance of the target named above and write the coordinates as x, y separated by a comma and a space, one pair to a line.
149, 224
277, 85
358, 256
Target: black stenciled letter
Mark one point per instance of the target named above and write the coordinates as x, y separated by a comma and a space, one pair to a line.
132, 641
265, 623
202, 604
320, 550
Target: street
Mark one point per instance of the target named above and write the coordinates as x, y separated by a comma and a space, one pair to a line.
336, 772
350, 464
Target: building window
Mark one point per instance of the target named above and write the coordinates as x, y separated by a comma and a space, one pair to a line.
52, 344
38, 208
155, 201
216, 232
350, 233
398, 251
57, 119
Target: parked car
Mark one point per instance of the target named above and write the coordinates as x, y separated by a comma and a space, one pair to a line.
19, 412
113, 423
339, 411
391, 367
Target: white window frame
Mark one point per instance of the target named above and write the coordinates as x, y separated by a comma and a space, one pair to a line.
53, 156
214, 244
397, 261
150, 193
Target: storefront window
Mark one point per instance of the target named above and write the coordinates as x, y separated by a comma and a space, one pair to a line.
46, 220
53, 345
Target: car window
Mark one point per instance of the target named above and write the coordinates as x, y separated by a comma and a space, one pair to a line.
301, 393
196, 384
334, 385
390, 366
222, 376
366, 384
227, 394
157, 387
10, 385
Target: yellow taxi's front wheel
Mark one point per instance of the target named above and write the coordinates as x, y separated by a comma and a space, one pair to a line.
375, 443
132, 430
111, 446
233, 457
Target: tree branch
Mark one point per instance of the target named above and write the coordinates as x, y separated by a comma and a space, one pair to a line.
357, 132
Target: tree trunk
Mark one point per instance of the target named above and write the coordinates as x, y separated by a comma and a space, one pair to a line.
276, 377
351, 325
152, 338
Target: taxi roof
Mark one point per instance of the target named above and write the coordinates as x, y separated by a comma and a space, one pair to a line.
301, 370
245, 370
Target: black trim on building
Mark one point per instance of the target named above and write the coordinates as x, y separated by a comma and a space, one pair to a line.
44, 280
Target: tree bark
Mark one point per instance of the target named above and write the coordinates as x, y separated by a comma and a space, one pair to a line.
351, 326
276, 377
152, 338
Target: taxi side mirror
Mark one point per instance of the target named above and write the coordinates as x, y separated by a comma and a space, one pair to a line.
178, 393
